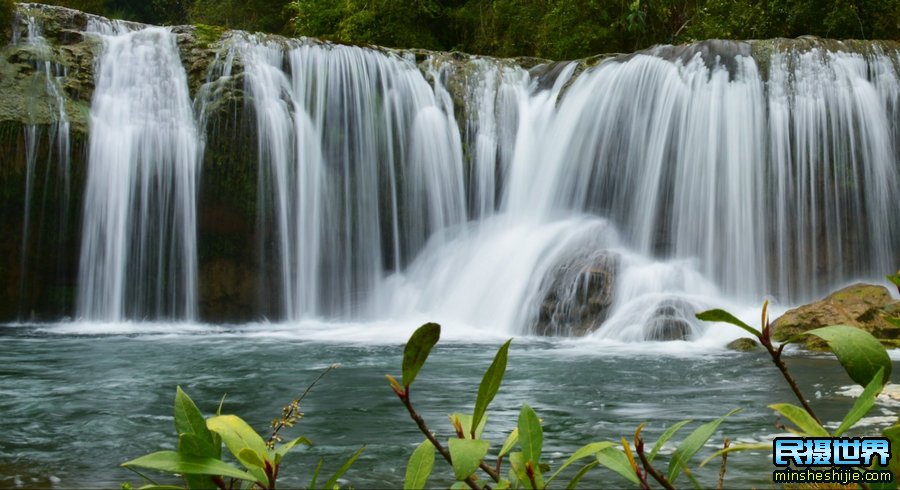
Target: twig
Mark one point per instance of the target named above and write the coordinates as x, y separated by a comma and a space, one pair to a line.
639, 449
404, 397
724, 465
766, 342
295, 406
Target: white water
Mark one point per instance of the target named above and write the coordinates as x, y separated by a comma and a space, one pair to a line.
710, 183
138, 251
702, 180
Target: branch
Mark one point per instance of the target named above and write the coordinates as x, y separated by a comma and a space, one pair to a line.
639, 449
404, 397
766, 342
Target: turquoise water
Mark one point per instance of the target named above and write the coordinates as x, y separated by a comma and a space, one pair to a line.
77, 401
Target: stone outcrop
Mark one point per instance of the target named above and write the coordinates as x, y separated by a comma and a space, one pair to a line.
860, 305
577, 295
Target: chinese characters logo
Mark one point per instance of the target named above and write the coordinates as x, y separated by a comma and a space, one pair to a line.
831, 459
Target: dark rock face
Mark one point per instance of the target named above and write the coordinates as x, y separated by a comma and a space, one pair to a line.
670, 321
861, 305
577, 295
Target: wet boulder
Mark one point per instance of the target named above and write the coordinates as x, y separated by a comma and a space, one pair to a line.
577, 295
860, 305
671, 320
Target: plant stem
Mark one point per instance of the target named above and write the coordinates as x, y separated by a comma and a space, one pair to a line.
724, 465
639, 449
434, 442
766, 342
280, 425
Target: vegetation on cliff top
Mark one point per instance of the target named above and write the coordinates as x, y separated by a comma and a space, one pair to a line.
556, 29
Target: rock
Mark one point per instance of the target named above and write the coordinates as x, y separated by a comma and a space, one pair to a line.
577, 295
743, 344
670, 321
859, 305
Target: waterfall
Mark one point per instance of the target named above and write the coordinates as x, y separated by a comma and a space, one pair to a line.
472, 190
360, 162
138, 249
615, 198
49, 77
715, 180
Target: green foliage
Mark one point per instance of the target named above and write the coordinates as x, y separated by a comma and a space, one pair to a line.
863, 404
555, 29
468, 452
864, 359
7, 13
420, 465
417, 350
490, 384
198, 459
801, 418
861, 354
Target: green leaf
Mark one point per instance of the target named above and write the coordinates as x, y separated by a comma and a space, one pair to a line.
894, 278
174, 462
188, 419
161, 487
419, 467
502, 485
284, 448
459, 485
583, 452
616, 460
511, 441
691, 444
221, 404
863, 404
343, 469
517, 469
490, 384
531, 435
417, 350
249, 456
573, 483
465, 421
467, 455
193, 445
238, 436
315, 477
801, 418
725, 317
665, 438
738, 447
857, 350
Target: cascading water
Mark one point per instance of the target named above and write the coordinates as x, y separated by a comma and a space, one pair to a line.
49, 77
359, 166
695, 175
138, 251
617, 199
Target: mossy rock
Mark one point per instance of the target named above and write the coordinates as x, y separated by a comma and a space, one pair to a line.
860, 305
743, 344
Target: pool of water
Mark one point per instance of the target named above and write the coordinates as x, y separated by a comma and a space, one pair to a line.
78, 400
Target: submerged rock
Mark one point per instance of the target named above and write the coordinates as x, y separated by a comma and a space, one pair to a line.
577, 295
671, 320
743, 344
859, 305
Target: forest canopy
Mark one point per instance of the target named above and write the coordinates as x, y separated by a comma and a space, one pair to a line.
555, 29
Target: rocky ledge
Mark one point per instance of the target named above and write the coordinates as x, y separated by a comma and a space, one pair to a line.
865, 306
